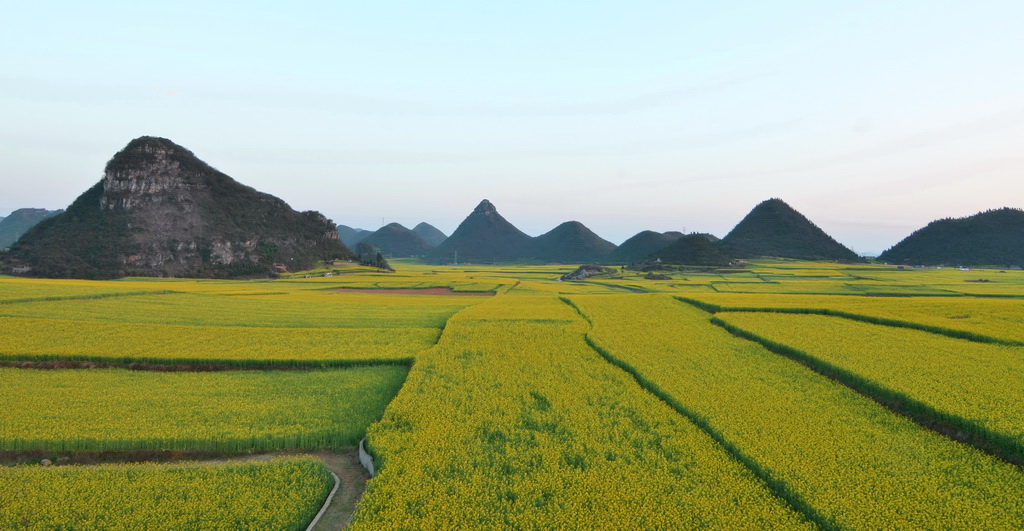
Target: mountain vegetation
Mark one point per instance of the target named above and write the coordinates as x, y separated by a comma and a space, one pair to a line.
396, 241
20, 221
993, 237
483, 237
160, 211
371, 256
692, 249
429, 233
640, 245
774, 228
350, 236
590, 271
570, 242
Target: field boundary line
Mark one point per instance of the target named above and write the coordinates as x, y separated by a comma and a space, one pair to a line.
327, 502
881, 321
776, 486
950, 426
56, 361
87, 297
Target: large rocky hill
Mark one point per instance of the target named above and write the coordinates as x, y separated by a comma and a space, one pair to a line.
160, 211
20, 221
570, 242
394, 240
994, 237
640, 245
429, 233
483, 237
774, 228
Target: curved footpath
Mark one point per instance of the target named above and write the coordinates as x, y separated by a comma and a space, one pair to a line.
342, 505
327, 503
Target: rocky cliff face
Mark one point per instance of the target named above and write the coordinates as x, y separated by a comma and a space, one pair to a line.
160, 211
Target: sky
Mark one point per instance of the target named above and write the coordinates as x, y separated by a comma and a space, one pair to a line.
871, 118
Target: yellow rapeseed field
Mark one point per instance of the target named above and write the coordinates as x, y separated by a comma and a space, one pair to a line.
513, 421
230, 411
1000, 318
50, 339
284, 493
850, 460
306, 309
518, 410
981, 383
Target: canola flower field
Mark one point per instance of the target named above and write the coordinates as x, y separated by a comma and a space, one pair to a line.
821, 443
604, 403
512, 420
277, 494
990, 319
233, 411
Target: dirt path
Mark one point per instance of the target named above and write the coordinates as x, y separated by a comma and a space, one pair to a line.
345, 464
353, 481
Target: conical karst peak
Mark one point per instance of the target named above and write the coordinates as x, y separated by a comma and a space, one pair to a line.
148, 149
773, 228
485, 207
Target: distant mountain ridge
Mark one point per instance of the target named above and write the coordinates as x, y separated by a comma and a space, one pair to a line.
642, 244
429, 233
396, 241
773, 228
993, 237
350, 236
20, 221
160, 211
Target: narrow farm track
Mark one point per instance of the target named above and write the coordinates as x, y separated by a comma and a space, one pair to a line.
353, 482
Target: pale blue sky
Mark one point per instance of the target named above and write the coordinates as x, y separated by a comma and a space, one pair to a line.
872, 118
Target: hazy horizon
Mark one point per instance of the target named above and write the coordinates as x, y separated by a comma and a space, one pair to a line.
870, 119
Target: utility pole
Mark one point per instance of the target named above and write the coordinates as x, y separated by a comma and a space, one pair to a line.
456, 257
